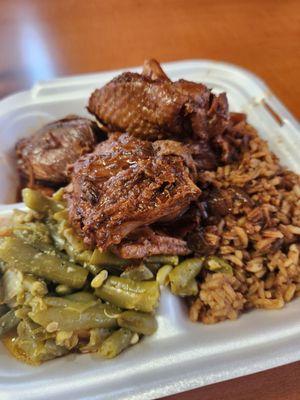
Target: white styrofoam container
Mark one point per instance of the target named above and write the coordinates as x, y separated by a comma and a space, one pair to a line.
181, 355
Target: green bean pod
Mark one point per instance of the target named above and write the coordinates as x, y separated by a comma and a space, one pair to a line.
217, 264
81, 296
138, 273
36, 201
67, 319
133, 295
75, 242
161, 259
191, 289
66, 239
59, 195
17, 254
81, 257
8, 321
97, 337
3, 309
33, 233
34, 351
36, 234
138, 322
72, 304
61, 216
62, 290
93, 269
115, 343
182, 277
106, 258
27, 329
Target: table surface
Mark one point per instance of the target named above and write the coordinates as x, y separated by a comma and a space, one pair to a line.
42, 39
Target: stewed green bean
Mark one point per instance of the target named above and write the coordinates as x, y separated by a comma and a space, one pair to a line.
93, 269
82, 297
138, 273
182, 277
29, 329
106, 258
68, 319
133, 295
191, 289
106, 318
3, 309
139, 322
217, 264
17, 254
35, 233
72, 304
75, 248
161, 259
34, 351
8, 321
116, 343
62, 290
36, 201
59, 195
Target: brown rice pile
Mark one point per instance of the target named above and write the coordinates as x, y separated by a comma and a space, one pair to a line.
260, 240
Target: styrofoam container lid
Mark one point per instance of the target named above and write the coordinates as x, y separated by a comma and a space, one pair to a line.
181, 355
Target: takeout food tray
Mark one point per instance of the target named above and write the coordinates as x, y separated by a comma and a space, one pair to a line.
181, 355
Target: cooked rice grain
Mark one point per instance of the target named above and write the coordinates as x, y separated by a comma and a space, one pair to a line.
261, 242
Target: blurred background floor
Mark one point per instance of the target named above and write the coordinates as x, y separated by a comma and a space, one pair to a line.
42, 39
